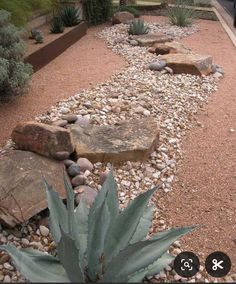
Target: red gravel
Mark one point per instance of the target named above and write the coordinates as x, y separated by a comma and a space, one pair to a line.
206, 190
85, 64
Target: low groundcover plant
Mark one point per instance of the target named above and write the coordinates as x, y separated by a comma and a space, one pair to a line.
100, 244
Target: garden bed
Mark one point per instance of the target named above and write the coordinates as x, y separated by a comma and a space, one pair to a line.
39, 55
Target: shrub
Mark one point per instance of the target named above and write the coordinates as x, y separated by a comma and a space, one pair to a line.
138, 27
39, 38
21, 10
57, 25
33, 33
180, 15
70, 16
130, 9
14, 74
102, 244
97, 11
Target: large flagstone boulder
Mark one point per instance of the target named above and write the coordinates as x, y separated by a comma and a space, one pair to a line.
132, 140
22, 189
194, 64
44, 139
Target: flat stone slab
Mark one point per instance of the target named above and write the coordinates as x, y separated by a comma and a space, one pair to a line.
22, 191
150, 39
194, 64
132, 140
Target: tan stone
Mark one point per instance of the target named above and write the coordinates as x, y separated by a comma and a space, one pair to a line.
41, 138
169, 47
122, 18
194, 64
22, 190
150, 39
132, 140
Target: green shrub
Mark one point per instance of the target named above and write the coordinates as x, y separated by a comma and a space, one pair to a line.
70, 16
97, 11
21, 10
57, 25
130, 9
180, 15
14, 74
33, 33
138, 27
102, 244
39, 38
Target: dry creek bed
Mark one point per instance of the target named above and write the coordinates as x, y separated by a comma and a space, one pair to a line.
135, 92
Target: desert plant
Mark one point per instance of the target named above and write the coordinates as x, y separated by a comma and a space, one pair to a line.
14, 74
97, 11
138, 27
33, 33
101, 244
70, 16
57, 25
39, 38
129, 9
180, 14
21, 10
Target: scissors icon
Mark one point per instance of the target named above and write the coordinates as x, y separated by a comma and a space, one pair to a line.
217, 264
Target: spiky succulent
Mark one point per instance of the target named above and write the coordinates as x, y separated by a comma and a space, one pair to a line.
180, 14
138, 27
101, 244
70, 16
57, 25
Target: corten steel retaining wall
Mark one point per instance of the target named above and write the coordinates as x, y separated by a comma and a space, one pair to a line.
47, 53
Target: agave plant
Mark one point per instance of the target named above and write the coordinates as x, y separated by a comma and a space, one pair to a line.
57, 25
180, 14
138, 27
102, 244
70, 16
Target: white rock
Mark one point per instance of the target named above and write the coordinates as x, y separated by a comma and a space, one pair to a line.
44, 231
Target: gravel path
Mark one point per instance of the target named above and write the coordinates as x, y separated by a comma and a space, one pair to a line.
85, 64
206, 190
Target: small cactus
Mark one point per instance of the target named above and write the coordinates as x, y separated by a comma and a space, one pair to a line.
39, 38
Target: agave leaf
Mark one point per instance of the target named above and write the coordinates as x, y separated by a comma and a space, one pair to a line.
143, 226
70, 206
69, 257
104, 209
58, 213
125, 225
159, 264
81, 229
153, 269
99, 222
37, 266
137, 277
140, 255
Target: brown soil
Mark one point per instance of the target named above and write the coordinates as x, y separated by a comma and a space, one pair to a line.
83, 65
205, 192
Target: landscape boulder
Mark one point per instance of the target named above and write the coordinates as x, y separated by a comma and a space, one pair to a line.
193, 64
41, 138
132, 140
122, 18
151, 39
169, 47
22, 189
